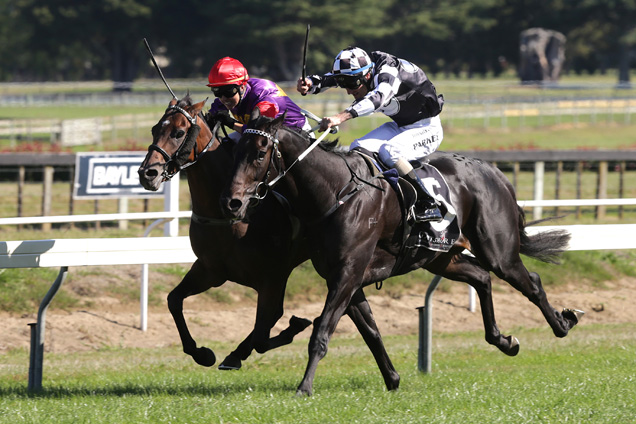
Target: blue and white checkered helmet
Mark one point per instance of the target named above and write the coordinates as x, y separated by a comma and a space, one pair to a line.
351, 61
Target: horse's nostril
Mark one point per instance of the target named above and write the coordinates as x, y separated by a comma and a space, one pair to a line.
235, 204
148, 174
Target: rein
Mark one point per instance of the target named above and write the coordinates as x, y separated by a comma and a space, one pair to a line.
340, 198
276, 153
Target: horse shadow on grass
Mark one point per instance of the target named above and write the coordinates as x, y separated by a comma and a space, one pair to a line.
220, 388
159, 389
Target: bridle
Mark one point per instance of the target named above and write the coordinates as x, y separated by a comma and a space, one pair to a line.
178, 160
263, 186
350, 189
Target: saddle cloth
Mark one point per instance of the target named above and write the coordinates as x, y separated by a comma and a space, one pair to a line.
437, 236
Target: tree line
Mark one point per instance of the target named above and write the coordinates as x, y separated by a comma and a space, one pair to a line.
65, 40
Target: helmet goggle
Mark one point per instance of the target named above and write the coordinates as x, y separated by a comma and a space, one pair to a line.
225, 90
352, 80
349, 81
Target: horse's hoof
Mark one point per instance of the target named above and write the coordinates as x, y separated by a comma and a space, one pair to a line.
204, 356
513, 349
394, 383
298, 324
572, 315
303, 393
230, 363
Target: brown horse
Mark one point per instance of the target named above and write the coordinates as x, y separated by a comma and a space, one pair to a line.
260, 254
356, 227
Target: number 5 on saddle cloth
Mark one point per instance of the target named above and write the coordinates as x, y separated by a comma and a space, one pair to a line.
437, 236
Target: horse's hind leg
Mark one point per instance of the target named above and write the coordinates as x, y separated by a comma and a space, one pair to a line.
269, 310
285, 337
360, 313
466, 269
507, 265
195, 281
561, 322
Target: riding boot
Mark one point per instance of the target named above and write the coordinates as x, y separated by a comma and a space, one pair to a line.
426, 207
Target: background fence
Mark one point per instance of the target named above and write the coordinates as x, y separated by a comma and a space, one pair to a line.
469, 103
42, 184
73, 132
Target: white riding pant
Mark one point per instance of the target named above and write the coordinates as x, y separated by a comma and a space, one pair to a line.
411, 142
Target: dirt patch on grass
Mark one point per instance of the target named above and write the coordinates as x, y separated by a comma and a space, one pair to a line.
112, 321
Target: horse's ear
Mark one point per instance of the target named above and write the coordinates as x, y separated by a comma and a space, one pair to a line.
256, 113
278, 122
173, 102
198, 107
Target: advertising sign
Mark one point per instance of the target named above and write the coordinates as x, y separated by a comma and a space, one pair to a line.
110, 174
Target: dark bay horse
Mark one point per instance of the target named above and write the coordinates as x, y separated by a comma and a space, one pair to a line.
225, 249
357, 242
260, 254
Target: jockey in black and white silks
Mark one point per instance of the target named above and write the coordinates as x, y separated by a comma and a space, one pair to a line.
381, 82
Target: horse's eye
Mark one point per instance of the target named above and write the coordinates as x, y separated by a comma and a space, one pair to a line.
177, 133
261, 155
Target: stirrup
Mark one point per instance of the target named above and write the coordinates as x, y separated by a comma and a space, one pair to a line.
429, 214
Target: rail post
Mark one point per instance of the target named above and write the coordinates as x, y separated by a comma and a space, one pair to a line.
37, 335
426, 328
171, 204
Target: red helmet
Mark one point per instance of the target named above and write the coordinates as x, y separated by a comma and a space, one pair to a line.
227, 71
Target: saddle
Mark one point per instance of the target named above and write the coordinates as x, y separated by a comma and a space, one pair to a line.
435, 236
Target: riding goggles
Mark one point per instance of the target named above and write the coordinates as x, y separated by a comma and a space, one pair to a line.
349, 81
225, 91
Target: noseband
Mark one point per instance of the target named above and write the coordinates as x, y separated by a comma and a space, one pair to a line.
263, 187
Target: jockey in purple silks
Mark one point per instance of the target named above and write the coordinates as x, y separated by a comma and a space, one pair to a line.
238, 94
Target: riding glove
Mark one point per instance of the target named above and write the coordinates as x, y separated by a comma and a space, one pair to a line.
223, 117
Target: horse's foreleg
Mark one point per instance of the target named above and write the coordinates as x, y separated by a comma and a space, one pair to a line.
234, 360
194, 282
466, 269
338, 299
360, 313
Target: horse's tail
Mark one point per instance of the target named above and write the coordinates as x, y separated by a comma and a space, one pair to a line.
546, 246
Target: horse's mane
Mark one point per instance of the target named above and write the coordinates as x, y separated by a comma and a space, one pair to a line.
187, 102
267, 123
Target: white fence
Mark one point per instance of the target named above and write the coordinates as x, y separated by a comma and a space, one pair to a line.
145, 250
543, 112
63, 253
78, 131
